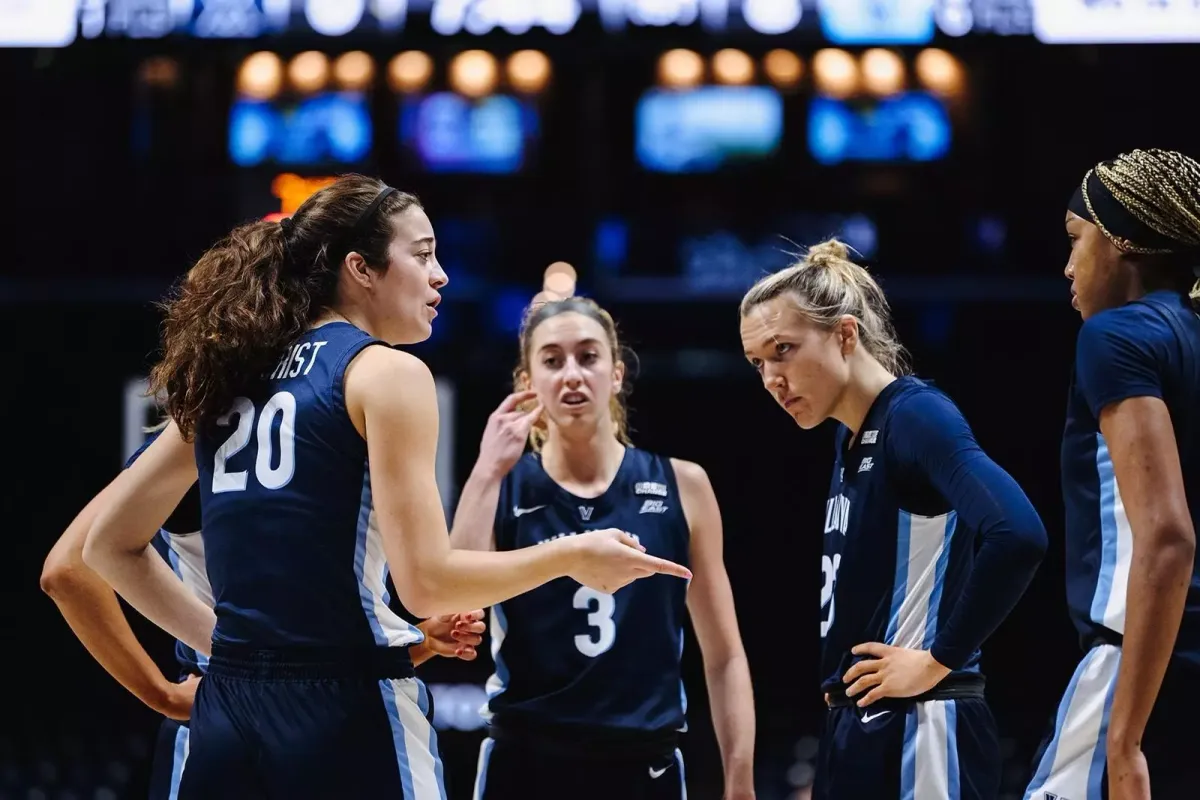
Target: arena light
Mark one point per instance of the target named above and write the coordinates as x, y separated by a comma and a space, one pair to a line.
410, 71
680, 69
783, 68
835, 73
940, 72
528, 71
354, 70
882, 71
334, 17
732, 67
292, 190
309, 71
260, 76
473, 73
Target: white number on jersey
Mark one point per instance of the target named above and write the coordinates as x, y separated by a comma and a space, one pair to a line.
282, 403
829, 566
600, 619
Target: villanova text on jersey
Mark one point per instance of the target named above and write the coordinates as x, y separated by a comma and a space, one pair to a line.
567, 655
894, 559
293, 550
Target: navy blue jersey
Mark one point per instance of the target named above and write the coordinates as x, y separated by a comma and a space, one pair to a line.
910, 498
1147, 348
293, 549
180, 544
569, 655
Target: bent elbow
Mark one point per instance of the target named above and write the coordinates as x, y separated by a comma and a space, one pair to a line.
57, 576
94, 556
1174, 544
418, 595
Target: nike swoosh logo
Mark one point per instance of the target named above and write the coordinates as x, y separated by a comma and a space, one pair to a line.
657, 773
517, 511
868, 717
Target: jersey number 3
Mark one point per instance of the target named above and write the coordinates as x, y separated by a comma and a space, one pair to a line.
269, 475
600, 619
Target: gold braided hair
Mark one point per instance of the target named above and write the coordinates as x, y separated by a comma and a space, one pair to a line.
1161, 189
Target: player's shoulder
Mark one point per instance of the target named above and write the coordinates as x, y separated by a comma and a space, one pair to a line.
914, 399
386, 369
1140, 321
688, 474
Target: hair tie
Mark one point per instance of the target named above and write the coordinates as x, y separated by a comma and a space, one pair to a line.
287, 225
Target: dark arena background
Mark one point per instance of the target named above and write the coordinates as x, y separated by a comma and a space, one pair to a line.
672, 151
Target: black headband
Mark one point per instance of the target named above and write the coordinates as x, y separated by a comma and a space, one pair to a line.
1095, 203
365, 217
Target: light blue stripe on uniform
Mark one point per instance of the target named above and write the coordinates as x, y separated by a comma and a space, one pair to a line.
178, 760
500, 622
389, 702
360, 560
682, 775
952, 776
935, 598
900, 584
908, 757
423, 705
485, 756
1108, 530
1047, 762
1100, 756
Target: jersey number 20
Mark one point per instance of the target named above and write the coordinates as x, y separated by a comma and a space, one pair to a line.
600, 619
270, 477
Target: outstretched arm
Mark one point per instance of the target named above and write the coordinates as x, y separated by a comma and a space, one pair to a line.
118, 544
710, 603
391, 395
91, 609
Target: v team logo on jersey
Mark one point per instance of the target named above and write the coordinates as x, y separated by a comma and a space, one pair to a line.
585, 513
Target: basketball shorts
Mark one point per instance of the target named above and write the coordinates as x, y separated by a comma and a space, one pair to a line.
929, 750
170, 754
280, 724
1072, 762
512, 770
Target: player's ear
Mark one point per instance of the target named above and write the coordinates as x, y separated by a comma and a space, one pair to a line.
522, 382
360, 273
618, 376
847, 330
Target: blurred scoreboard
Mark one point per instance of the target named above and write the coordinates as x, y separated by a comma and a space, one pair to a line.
58, 23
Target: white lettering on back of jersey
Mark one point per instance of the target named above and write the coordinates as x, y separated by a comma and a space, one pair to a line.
837, 514
296, 359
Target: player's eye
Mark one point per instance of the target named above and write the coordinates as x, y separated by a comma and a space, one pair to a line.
781, 348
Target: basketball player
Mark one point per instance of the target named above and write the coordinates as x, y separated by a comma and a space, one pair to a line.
1131, 485
314, 451
587, 701
91, 609
928, 543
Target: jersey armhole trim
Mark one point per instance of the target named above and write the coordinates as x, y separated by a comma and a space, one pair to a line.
338, 379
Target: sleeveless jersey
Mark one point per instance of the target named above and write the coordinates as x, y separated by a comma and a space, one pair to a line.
181, 545
1147, 348
293, 551
895, 554
568, 655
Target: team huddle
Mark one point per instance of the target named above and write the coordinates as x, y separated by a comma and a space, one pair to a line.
266, 525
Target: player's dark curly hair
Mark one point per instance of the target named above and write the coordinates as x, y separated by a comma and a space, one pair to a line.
258, 289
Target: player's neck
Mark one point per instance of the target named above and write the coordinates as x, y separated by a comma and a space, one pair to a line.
351, 315
585, 465
865, 385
